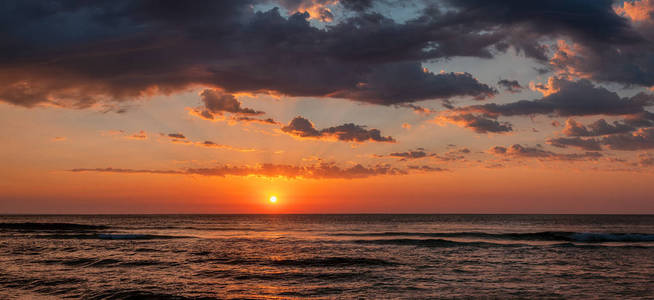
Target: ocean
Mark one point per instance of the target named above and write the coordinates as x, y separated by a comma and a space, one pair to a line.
326, 256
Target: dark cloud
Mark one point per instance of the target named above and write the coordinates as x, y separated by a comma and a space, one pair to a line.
357, 5
426, 168
411, 154
478, 123
641, 139
217, 102
268, 121
512, 86
520, 151
349, 132
597, 128
570, 98
451, 155
384, 87
417, 108
177, 136
584, 144
301, 127
122, 50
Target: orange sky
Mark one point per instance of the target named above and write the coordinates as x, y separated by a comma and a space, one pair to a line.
333, 111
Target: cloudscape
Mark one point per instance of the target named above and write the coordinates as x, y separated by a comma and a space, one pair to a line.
331, 105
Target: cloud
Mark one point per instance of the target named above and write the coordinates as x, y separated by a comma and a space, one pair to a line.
217, 102
177, 136
562, 98
641, 139
417, 109
122, 50
141, 135
478, 123
411, 154
512, 86
519, 151
316, 9
363, 55
384, 86
580, 98
58, 139
128, 171
426, 168
597, 128
349, 132
646, 159
319, 171
584, 144
210, 144
419, 153
268, 121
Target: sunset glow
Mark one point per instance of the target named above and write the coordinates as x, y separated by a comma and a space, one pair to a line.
413, 110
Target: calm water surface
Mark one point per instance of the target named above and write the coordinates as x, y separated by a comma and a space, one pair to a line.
326, 256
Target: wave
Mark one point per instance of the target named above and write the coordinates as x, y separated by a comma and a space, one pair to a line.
136, 294
107, 236
106, 262
337, 261
332, 262
585, 237
433, 243
138, 237
31, 226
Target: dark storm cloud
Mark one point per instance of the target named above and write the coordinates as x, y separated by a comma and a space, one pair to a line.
349, 132
512, 86
519, 151
584, 20
584, 144
77, 53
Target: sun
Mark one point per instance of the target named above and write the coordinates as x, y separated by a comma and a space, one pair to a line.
273, 199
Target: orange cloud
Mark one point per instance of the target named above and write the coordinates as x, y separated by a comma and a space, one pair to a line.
637, 11
317, 171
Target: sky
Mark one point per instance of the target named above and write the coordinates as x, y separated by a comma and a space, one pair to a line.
332, 106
